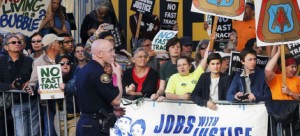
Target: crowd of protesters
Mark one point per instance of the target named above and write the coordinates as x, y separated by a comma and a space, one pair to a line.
177, 75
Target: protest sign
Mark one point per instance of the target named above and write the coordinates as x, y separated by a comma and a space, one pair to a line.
170, 14
236, 66
277, 22
223, 31
23, 16
233, 9
161, 38
187, 119
50, 77
143, 6
294, 49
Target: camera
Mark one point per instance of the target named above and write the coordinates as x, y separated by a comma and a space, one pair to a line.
18, 83
244, 97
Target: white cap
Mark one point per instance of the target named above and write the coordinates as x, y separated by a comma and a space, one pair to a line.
50, 38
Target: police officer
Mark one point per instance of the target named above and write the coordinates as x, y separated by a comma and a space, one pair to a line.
96, 92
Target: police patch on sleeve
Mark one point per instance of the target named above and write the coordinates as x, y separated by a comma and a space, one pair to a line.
104, 78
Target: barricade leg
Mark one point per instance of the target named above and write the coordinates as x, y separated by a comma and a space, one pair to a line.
49, 113
35, 116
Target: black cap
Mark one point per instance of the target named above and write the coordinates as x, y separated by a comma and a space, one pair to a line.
186, 40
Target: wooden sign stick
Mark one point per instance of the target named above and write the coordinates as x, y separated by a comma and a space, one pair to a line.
212, 41
137, 33
282, 53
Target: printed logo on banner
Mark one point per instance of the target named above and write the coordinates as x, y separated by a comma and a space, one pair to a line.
278, 21
281, 20
143, 6
233, 9
126, 127
224, 3
22, 15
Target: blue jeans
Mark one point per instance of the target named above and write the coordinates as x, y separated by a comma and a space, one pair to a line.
49, 118
30, 124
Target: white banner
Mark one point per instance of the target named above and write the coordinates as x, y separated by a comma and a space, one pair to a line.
178, 119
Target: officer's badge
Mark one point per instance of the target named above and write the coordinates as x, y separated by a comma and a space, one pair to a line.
104, 78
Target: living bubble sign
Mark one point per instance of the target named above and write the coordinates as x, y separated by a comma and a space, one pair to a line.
23, 16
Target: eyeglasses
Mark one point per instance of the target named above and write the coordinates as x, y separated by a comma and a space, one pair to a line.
15, 42
63, 63
37, 41
70, 41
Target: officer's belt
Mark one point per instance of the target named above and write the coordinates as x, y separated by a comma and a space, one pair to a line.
96, 116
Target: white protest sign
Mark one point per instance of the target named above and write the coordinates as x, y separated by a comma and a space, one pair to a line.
150, 118
23, 16
161, 38
50, 77
233, 9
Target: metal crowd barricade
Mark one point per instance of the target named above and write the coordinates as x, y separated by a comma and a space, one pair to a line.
61, 115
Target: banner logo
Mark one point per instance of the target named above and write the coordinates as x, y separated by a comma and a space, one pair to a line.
281, 20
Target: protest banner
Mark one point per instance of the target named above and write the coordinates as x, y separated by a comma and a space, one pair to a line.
23, 16
143, 6
236, 66
170, 14
277, 22
188, 119
161, 38
50, 77
294, 49
233, 9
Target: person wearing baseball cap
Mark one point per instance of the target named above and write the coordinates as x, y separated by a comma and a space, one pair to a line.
187, 46
51, 46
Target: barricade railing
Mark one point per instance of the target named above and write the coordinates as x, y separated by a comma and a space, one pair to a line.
19, 110
62, 116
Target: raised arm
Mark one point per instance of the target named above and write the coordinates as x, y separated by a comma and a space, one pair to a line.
271, 64
203, 62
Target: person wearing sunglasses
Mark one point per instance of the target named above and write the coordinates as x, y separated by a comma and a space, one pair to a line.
36, 43
15, 70
69, 88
